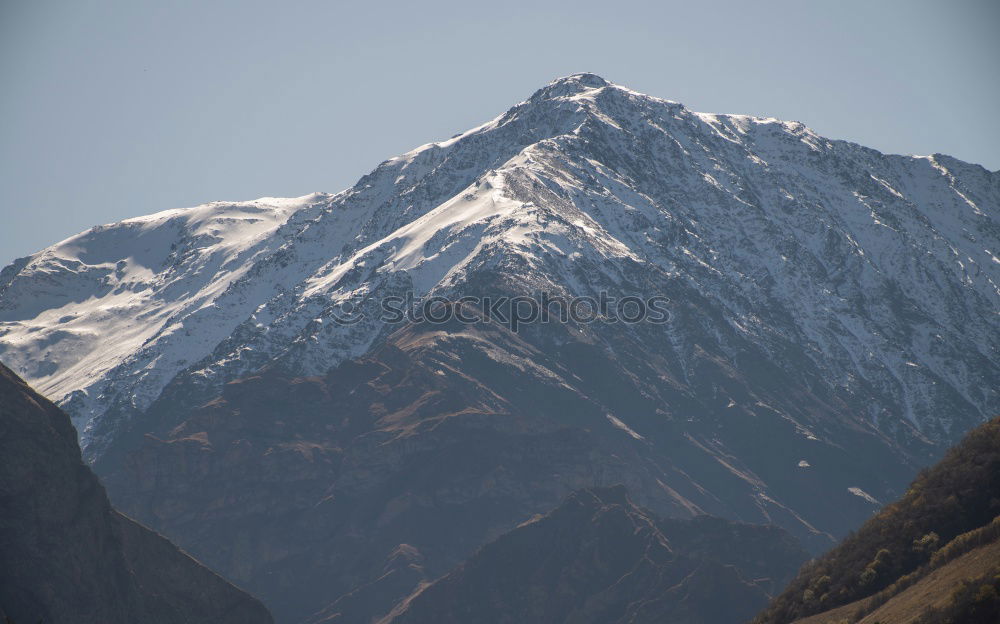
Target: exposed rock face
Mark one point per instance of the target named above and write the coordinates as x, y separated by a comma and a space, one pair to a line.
67, 557
599, 559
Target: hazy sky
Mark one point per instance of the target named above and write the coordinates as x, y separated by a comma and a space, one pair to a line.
111, 109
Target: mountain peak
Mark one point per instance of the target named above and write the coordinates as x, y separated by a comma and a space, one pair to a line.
571, 85
583, 78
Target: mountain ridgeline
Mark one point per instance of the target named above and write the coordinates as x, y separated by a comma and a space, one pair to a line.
831, 328
598, 558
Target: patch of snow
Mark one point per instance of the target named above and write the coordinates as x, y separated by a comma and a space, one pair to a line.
862, 494
618, 423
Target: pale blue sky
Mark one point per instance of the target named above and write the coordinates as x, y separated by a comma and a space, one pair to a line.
117, 108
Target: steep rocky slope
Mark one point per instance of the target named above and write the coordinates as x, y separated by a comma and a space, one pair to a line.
872, 276
67, 556
598, 558
394, 467
916, 552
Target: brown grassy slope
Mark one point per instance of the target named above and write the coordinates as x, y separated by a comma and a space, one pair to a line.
932, 591
959, 494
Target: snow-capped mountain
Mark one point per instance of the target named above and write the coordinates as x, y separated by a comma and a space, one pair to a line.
833, 325
872, 276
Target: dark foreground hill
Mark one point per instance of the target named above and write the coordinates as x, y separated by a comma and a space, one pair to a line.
67, 556
931, 557
599, 559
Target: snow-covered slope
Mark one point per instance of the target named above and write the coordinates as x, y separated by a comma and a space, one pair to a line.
874, 275
154, 292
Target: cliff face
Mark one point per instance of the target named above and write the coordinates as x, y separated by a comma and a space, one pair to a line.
67, 556
598, 558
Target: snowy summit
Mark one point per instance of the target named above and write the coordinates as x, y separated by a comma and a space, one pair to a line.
875, 275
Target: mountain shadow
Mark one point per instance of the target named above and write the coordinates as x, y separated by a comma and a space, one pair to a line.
66, 556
